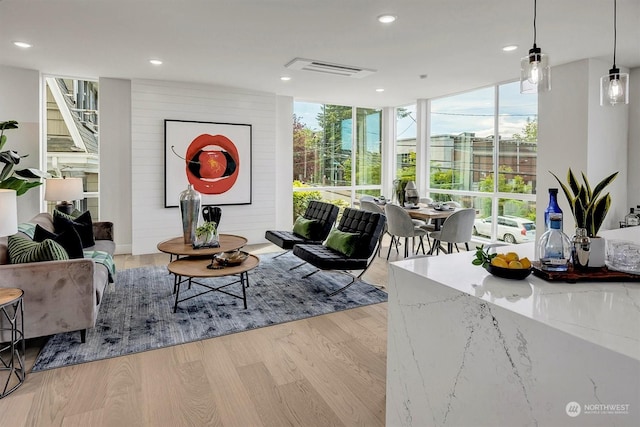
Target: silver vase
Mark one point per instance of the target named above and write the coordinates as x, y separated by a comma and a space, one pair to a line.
580, 249
190, 209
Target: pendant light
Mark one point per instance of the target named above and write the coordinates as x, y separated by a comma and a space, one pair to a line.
535, 74
614, 87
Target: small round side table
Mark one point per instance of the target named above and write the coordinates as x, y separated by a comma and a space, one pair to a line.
12, 368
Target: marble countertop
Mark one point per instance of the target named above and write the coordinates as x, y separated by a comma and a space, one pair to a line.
604, 313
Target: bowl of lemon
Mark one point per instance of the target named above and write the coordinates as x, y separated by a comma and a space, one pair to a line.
507, 265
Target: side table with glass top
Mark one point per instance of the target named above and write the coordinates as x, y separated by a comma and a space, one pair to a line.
12, 348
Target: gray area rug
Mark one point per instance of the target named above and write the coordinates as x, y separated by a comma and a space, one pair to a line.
136, 313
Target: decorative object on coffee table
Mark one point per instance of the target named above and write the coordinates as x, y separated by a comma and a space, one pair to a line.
12, 368
589, 210
190, 209
206, 236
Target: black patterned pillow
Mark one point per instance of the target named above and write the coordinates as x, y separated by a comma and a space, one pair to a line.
68, 239
23, 250
82, 224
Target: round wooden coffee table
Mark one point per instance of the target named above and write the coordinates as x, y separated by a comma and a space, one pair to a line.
177, 246
187, 269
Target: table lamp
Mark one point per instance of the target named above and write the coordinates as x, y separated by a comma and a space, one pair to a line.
8, 212
65, 191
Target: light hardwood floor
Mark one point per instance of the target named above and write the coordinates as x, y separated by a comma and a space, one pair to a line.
326, 370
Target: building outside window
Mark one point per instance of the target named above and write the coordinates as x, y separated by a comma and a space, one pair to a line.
72, 136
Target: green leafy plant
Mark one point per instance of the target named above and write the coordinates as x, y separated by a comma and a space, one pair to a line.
483, 258
206, 229
587, 207
18, 179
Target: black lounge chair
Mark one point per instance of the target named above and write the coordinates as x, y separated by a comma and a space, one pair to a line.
368, 225
324, 213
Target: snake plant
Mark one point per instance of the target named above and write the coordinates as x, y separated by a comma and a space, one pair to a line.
587, 206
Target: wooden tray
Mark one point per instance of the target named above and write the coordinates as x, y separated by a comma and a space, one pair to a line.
596, 274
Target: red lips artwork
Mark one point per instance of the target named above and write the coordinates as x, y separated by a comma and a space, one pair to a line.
212, 164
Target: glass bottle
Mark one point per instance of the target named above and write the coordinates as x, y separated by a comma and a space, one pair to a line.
554, 250
631, 219
552, 208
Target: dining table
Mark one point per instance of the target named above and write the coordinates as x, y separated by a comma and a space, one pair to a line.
427, 213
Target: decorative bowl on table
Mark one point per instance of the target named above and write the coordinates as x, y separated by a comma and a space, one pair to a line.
230, 258
508, 273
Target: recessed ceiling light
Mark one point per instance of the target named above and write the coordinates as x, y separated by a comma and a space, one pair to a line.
510, 48
23, 45
387, 19
155, 61
285, 78
380, 89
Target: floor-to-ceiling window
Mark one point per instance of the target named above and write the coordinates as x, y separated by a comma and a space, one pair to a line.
72, 136
482, 154
337, 153
406, 128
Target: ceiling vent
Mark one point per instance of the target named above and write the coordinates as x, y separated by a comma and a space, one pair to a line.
328, 68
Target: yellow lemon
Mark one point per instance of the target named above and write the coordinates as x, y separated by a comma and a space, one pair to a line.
499, 262
503, 256
515, 264
525, 262
511, 256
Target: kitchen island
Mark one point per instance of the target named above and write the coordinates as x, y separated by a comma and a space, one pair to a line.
466, 348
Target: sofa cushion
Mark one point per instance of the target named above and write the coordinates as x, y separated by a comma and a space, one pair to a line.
82, 224
68, 239
22, 250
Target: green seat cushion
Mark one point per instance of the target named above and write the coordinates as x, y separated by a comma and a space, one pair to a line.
307, 228
68, 239
22, 250
82, 224
344, 242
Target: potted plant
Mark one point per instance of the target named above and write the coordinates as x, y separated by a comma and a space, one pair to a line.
589, 208
18, 179
206, 234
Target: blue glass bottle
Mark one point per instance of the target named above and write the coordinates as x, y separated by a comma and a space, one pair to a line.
552, 208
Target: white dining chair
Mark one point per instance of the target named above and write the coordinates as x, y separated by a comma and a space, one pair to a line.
457, 228
399, 224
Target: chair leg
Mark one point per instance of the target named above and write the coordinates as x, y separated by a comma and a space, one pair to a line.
466, 245
419, 245
297, 266
310, 274
283, 253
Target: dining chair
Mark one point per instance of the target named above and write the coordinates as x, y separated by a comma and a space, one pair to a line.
400, 224
457, 228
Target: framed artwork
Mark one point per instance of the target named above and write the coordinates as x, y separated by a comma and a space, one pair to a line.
214, 157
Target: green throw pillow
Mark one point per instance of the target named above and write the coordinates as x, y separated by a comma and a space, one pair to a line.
343, 242
23, 250
307, 228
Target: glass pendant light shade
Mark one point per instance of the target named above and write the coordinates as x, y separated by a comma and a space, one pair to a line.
614, 88
535, 73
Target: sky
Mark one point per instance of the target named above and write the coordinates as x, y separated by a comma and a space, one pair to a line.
467, 112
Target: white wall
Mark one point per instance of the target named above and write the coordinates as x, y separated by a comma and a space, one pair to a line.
575, 132
633, 159
20, 101
115, 159
284, 165
154, 101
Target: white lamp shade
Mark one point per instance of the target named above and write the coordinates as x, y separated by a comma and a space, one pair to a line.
8, 212
63, 190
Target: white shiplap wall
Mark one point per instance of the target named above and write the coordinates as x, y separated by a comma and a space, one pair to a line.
154, 101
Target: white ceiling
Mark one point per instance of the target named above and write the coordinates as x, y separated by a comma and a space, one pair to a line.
246, 43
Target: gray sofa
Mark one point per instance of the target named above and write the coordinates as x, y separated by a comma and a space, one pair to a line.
59, 296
